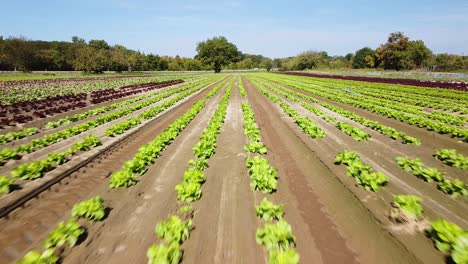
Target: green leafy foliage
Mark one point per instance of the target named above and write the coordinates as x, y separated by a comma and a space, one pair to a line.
186, 208
37, 169
188, 191
5, 184
276, 236
129, 172
92, 209
11, 136
242, 91
7, 154
452, 158
262, 175
256, 147
363, 174
346, 157
394, 134
387, 104
452, 187
287, 256
34, 257
408, 164
410, 206
268, 211
460, 250
162, 254
250, 127
445, 234
174, 230
122, 178
65, 233
124, 126
354, 132
198, 164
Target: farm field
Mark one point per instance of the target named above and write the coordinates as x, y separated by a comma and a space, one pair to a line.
250, 167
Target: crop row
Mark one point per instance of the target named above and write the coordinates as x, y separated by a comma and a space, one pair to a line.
97, 111
67, 234
37, 169
175, 230
36, 144
93, 209
276, 234
32, 92
363, 173
356, 133
150, 113
452, 158
25, 111
452, 187
448, 237
307, 125
12, 136
409, 97
388, 131
370, 105
425, 91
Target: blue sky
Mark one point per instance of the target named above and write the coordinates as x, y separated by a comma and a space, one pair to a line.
271, 28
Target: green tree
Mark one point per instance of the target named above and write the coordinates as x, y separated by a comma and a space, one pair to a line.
401, 54
267, 64
309, 60
419, 53
99, 44
78, 40
217, 52
19, 53
364, 58
277, 63
89, 59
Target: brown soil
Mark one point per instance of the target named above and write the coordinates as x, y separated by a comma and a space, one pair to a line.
142, 206
225, 222
340, 228
333, 220
27, 226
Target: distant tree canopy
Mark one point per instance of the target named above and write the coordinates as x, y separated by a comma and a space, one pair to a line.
398, 53
19, 53
217, 52
364, 58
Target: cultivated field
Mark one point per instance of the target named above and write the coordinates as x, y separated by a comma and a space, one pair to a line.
232, 168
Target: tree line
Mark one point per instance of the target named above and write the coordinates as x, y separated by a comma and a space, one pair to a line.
398, 53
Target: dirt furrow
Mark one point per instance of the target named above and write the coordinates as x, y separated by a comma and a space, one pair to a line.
126, 234
24, 228
225, 222
341, 228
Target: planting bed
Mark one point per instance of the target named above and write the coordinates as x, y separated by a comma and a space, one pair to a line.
248, 168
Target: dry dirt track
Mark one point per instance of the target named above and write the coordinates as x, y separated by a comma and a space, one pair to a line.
333, 221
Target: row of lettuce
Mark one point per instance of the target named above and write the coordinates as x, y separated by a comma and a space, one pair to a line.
438, 99
174, 229
276, 235
57, 136
447, 236
386, 108
38, 168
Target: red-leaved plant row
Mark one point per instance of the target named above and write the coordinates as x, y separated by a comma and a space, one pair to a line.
24, 112
49, 82
454, 85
